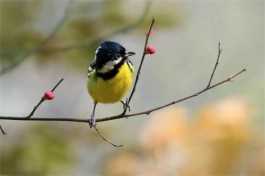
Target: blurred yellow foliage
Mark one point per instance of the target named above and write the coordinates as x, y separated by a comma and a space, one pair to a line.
117, 165
217, 141
227, 118
173, 120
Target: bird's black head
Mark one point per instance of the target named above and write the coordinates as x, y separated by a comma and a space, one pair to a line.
109, 54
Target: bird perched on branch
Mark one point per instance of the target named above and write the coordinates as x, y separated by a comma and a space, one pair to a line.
110, 75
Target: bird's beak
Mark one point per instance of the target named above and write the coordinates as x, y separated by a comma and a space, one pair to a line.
129, 53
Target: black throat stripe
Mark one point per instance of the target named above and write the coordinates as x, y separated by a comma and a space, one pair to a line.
112, 73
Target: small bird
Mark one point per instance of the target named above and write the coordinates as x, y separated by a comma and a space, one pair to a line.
110, 75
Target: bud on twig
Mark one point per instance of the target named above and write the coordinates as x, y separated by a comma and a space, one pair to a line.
150, 50
48, 96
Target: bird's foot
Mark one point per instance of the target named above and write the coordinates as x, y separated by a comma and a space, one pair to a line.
126, 105
92, 122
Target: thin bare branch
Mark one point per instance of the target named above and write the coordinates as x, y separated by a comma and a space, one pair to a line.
53, 89
2, 130
127, 104
142, 60
111, 143
35, 108
216, 63
42, 100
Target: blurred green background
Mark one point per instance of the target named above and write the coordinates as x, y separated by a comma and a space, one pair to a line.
221, 132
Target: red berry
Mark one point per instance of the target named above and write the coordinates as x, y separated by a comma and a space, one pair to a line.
150, 50
48, 95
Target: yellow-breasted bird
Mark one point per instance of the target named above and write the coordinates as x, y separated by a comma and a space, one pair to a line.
110, 75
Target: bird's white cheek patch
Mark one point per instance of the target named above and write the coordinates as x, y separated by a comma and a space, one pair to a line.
110, 65
117, 61
107, 67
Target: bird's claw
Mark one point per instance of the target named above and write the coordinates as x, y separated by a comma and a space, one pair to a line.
92, 122
126, 105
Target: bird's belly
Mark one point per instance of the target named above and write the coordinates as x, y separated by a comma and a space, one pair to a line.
112, 90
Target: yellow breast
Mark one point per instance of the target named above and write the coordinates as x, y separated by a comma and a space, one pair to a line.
112, 90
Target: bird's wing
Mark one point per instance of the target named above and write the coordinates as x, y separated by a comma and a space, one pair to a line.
91, 68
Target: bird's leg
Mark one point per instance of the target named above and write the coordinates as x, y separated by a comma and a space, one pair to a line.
92, 121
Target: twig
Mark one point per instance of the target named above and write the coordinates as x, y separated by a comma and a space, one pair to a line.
216, 63
24, 55
42, 100
111, 143
142, 60
139, 70
2, 130
53, 89
36, 107
127, 115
